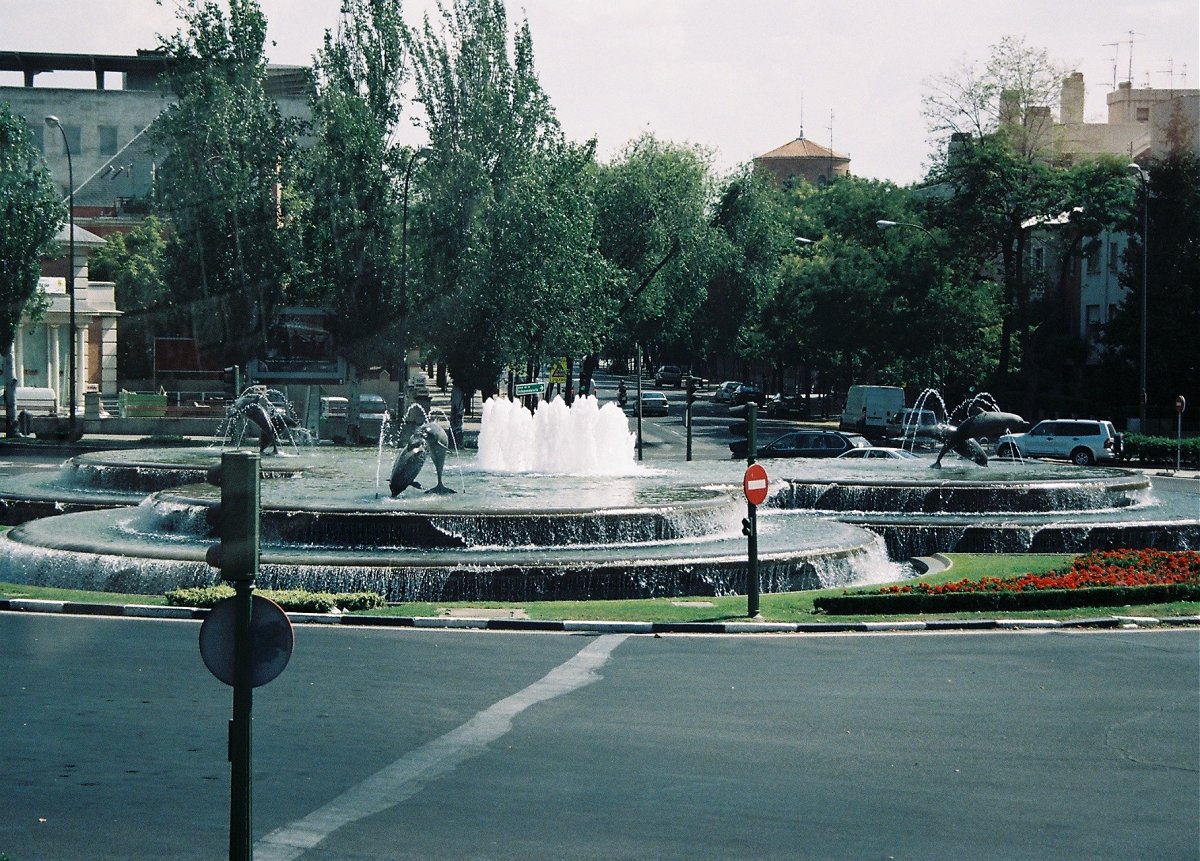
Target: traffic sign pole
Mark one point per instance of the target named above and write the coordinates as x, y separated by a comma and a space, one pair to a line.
754, 474
1180, 406
239, 552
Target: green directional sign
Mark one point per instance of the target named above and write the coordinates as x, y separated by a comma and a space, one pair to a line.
524, 389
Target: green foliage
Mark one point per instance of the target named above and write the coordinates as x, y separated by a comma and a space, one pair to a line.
30, 214
503, 210
224, 153
292, 600
351, 221
135, 263
652, 224
1161, 450
1173, 301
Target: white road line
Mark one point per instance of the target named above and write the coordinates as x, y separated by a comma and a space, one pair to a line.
406, 776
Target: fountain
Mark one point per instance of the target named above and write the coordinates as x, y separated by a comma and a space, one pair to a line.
554, 506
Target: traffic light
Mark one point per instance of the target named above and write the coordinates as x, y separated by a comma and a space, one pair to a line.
747, 527
231, 378
235, 518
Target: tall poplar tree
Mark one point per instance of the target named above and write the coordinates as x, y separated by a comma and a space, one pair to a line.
226, 153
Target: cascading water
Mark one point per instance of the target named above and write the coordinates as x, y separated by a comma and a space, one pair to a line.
555, 506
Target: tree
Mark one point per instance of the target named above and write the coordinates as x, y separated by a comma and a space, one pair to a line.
136, 262
503, 215
1002, 181
30, 215
652, 223
351, 259
227, 157
751, 235
1173, 298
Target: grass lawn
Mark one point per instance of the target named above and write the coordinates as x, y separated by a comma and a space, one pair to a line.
784, 607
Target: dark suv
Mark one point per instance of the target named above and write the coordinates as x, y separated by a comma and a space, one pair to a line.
668, 375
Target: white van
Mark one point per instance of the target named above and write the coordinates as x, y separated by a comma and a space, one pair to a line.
868, 409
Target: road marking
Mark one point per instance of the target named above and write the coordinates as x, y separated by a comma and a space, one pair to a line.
406, 776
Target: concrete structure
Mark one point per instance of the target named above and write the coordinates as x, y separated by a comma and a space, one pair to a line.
1137, 122
803, 159
40, 351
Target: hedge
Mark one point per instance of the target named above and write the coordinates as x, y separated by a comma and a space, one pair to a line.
294, 600
860, 604
1160, 449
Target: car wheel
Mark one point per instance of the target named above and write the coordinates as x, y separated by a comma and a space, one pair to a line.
1008, 451
1082, 457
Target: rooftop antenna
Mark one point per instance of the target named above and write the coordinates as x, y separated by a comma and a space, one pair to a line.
830, 144
802, 115
1169, 72
1116, 46
1131, 35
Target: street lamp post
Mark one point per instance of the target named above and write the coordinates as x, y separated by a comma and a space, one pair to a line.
1144, 180
52, 122
884, 225
408, 169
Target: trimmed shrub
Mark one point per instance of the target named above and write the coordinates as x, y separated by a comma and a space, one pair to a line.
292, 600
1160, 450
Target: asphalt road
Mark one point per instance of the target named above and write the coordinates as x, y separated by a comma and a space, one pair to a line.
402, 744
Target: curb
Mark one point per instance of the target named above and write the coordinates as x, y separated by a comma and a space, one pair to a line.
145, 611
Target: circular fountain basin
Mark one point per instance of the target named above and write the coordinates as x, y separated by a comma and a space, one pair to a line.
329, 523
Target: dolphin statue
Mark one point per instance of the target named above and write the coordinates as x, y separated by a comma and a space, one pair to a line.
964, 439
438, 444
408, 465
256, 408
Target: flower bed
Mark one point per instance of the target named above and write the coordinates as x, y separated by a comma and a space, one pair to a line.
1097, 579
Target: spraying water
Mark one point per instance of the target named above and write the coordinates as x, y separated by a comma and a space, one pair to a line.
583, 439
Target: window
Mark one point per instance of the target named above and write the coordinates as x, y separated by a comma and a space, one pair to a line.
107, 140
1093, 260
1114, 256
1091, 321
1143, 115
73, 138
1039, 258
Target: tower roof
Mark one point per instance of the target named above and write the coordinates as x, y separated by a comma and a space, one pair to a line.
801, 147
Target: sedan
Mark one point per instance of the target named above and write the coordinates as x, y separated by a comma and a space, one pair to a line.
806, 443
877, 454
724, 392
655, 404
745, 393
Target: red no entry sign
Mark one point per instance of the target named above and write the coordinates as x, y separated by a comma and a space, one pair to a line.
755, 484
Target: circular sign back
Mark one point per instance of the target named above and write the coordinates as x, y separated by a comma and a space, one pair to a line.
271, 640
755, 484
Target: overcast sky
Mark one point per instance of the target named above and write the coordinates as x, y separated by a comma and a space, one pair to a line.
736, 76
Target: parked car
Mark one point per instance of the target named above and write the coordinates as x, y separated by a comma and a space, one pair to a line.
668, 375
723, 394
1081, 441
655, 404
745, 393
909, 423
781, 406
806, 443
874, 453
